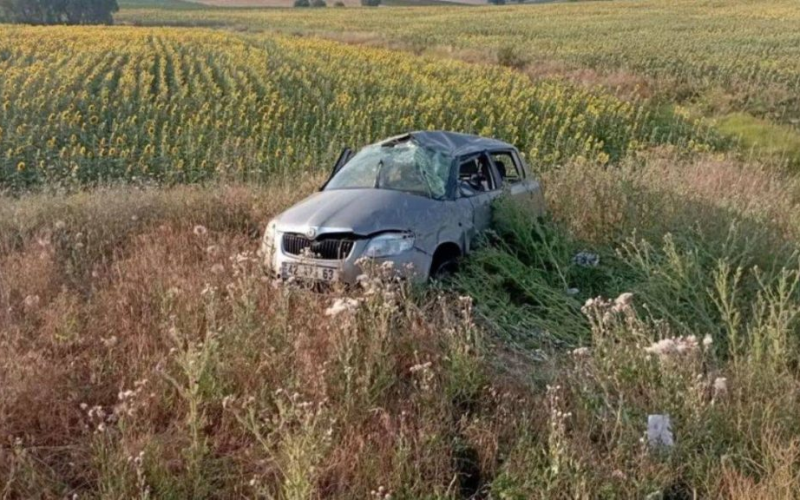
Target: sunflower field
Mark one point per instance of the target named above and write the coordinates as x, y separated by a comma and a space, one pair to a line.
84, 106
747, 50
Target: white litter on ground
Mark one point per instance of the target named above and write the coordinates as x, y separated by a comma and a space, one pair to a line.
586, 259
659, 431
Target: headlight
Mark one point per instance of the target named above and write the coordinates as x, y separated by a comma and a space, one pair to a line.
389, 244
268, 242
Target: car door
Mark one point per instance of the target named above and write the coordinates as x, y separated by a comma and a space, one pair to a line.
514, 178
478, 187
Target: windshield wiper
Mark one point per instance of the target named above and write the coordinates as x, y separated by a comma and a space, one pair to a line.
378, 176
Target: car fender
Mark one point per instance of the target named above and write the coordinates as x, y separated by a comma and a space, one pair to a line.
456, 226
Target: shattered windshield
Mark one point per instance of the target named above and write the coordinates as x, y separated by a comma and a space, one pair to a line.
398, 166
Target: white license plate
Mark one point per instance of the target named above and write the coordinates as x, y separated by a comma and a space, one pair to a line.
309, 272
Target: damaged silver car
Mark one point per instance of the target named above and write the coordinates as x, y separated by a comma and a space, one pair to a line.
417, 200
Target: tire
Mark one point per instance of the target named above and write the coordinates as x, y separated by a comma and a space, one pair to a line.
443, 268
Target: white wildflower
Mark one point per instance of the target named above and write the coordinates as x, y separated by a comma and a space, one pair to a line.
200, 231
109, 342
675, 346
420, 367
623, 302
123, 395
707, 340
686, 345
342, 305
581, 352
624, 299
31, 301
595, 305
720, 387
242, 257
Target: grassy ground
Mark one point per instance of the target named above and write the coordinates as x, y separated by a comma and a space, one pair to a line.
145, 355
761, 138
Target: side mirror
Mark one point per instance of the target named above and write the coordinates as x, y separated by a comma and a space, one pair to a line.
344, 157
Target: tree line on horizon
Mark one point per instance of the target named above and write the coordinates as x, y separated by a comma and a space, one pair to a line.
58, 11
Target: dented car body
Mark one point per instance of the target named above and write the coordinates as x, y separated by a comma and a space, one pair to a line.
417, 200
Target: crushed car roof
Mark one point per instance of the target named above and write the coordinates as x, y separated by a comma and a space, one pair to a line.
453, 143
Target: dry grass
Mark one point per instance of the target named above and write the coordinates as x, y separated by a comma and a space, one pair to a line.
236, 386
143, 354
665, 192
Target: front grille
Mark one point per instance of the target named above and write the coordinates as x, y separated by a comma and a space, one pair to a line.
327, 247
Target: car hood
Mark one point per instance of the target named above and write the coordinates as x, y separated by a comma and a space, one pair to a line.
361, 211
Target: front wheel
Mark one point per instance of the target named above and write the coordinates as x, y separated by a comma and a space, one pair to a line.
443, 268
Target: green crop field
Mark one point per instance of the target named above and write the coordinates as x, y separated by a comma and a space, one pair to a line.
178, 105
718, 57
145, 353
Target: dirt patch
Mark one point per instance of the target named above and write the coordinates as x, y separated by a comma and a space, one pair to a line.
623, 83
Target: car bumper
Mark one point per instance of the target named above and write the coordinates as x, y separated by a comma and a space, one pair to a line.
413, 264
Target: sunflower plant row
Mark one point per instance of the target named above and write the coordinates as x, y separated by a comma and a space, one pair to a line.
746, 50
91, 105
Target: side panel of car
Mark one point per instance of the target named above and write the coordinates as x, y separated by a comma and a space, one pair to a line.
458, 226
482, 202
516, 179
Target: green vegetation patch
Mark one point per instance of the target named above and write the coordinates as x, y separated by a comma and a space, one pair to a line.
762, 137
